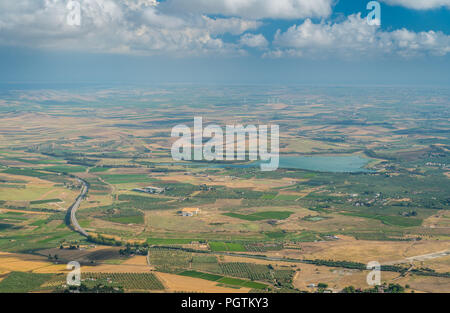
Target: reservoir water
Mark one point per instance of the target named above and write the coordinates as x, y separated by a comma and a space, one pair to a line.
333, 164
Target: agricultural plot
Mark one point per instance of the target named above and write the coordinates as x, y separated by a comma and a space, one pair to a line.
205, 263
169, 241
389, 220
205, 276
225, 280
140, 202
129, 281
246, 270
284, 277
169, 260
125, 216
275, 215
262, 247
287, 197
242, 283
226, 246
20, 282
45, 201
66, 169
98, 169
116, 179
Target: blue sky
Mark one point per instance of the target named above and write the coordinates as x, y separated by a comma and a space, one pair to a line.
225, 41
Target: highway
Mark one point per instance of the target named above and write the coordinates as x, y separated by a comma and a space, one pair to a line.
71, 212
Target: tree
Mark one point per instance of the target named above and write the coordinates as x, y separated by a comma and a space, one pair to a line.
349, 289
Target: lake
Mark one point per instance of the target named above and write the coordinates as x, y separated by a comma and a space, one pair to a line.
333, 164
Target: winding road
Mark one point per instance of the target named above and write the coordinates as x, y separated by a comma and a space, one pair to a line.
71, 218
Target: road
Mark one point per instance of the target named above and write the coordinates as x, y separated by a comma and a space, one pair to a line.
420, 258
71, 212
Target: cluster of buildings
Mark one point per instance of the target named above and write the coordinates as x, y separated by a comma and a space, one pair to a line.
150, 189
440, 165
158, 190
189, 212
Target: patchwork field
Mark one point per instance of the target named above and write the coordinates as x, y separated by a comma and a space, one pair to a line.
360, 179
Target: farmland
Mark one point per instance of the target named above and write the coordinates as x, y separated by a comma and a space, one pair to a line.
261, 216
19, 282
251, 230
224, 280
129, 281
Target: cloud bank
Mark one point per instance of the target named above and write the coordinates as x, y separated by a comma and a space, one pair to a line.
109, 26
420, 4
355, 38
204, 27
255, 9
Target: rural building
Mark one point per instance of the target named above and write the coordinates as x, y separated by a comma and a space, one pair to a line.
150, 189
190, 211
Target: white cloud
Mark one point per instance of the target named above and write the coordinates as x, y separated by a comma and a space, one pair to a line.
420, 4
234, 26
113, 26
355, 38
254, 41
147, 27
254, 9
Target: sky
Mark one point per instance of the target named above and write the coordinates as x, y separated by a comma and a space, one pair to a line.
225, 41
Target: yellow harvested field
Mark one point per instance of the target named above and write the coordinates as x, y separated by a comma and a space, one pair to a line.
73, 255
349, 249
27, 179
232, 182
177, 283
36, 189
425, 284
336, 278
25, 263
53, 268
441, 264
136, 260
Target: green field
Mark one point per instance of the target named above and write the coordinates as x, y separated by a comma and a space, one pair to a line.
126, 178
389, 220
201, 275
66, 169
226, 246
225, 280
98, 169
138, 219
45, 201
242, 283
20, 282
